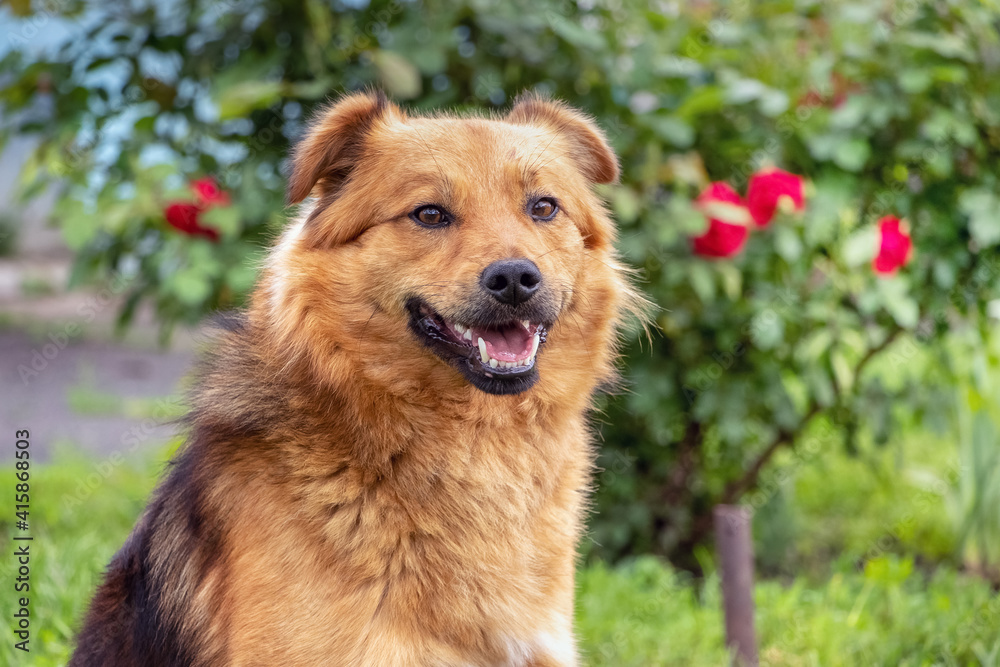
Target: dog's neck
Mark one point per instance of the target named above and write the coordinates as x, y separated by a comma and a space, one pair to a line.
364, 420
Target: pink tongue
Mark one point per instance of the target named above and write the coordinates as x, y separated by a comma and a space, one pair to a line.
508, 344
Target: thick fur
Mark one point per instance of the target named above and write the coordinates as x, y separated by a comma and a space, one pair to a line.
346, 497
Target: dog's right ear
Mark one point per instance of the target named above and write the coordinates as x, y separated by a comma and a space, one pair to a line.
333, 143
589, 147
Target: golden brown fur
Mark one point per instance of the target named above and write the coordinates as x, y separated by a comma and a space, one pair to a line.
346, 496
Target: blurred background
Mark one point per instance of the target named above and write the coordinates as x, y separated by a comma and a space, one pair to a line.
824, 350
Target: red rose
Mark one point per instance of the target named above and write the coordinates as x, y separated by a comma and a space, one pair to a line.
895, 245
728, 222
772, 189
183, 216
209, 193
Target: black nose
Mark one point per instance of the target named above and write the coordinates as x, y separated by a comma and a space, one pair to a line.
511, 281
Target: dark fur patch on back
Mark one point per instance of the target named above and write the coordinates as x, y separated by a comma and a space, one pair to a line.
134, 618
230, 320
125, 624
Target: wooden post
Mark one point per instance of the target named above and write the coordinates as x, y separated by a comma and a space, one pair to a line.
734, 546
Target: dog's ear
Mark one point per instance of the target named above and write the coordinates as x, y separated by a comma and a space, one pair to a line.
590, 147
333, 142
589, 150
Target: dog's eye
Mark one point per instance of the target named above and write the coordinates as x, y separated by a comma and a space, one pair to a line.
544, 209
430, 216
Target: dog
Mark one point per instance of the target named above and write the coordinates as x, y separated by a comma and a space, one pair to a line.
388, 460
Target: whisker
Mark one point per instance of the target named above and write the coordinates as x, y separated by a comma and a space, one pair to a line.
364, 329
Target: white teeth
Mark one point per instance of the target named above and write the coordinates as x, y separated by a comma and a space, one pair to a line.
459, 328
526, 323
487, 360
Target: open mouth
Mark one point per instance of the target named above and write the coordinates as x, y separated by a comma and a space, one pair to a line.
496, 358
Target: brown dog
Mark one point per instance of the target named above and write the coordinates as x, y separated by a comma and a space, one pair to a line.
388, 461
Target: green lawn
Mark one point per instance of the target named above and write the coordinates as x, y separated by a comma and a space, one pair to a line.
640, 613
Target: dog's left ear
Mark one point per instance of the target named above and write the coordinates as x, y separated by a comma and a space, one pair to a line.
590, 147
333, 143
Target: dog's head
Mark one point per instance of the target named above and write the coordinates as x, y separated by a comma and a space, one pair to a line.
435, 244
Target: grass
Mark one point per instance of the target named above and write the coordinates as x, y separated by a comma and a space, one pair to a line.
642, 613
81, 510
889, 499
645, 614
86, 398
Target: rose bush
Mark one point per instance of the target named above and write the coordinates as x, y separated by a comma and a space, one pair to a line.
820, 326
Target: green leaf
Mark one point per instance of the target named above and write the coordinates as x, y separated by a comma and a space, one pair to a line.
915, 81
80, 230
939, 126
787, 243
702, 281
767, 329
310, 90
983, 209
241, 278
773, 102
703, 100
861, 247
239, 100
896, 299
820, 385
626, 204
682, 214
190, 286
822, 146
224, 219
941, 43
400, 78
671, 129
852, 154
732, 280
676, 66
815, 346
742, 91
850, 114
320, 19
576, 35
843, 372
944, 274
